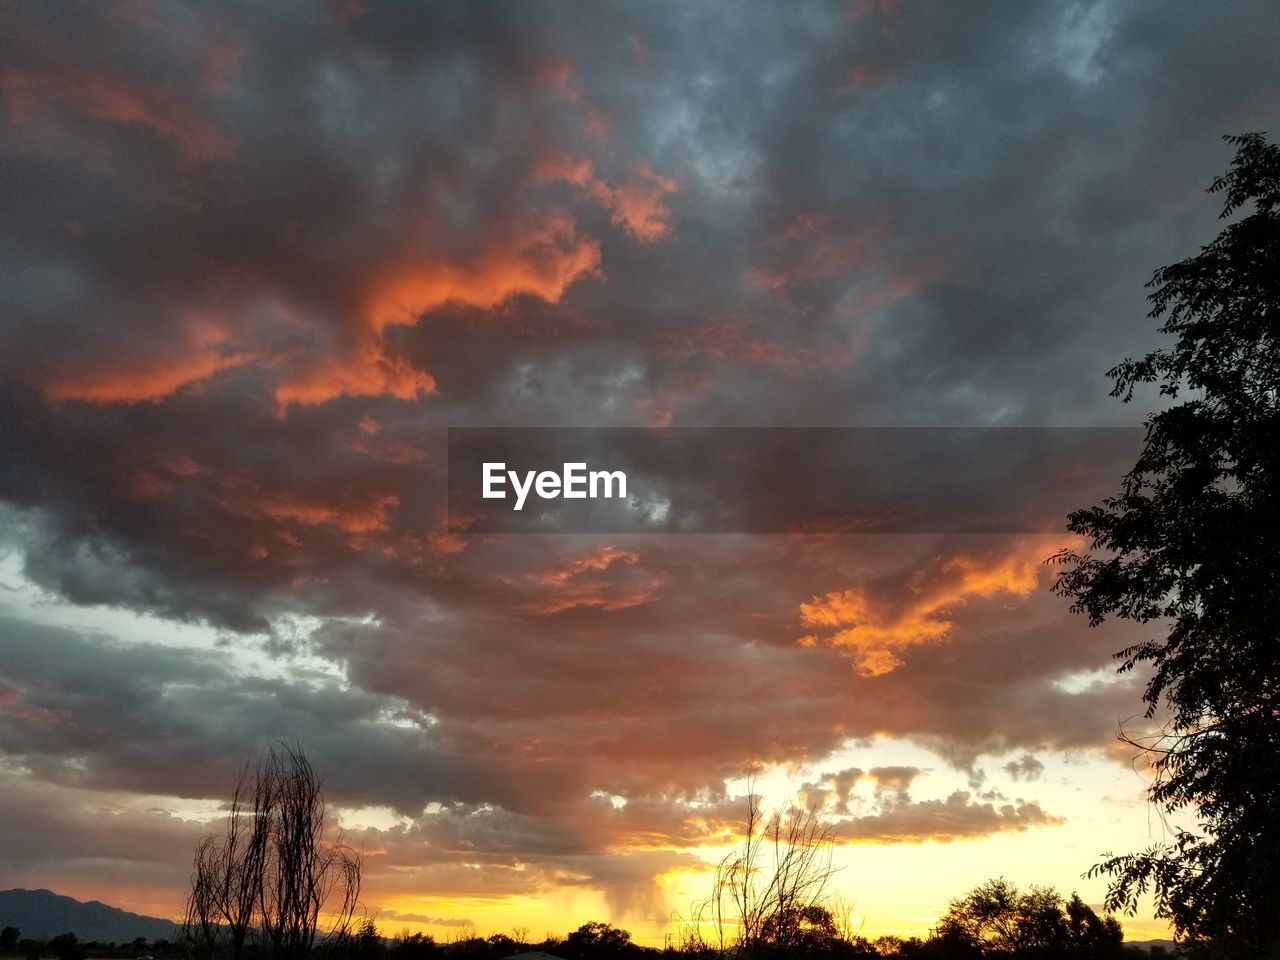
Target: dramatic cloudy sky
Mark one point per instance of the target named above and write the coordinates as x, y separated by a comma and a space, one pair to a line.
254, 259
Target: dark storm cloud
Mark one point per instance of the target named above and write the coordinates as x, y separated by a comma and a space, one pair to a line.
168, 705
41, 824
257, 259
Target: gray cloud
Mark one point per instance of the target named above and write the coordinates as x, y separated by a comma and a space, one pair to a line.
955, 818
1026, 767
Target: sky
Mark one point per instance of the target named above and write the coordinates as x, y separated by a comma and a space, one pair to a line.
256, 259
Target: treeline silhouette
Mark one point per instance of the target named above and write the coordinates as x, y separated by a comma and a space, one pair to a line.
67, 946
260, 890
993, 920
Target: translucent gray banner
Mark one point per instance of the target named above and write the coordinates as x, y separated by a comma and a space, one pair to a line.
781, 479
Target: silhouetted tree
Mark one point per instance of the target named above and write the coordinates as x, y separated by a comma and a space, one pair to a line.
274, 871
597, 941
9, 938
771, 892
811, 932
468, 945
415, 946
367, 943
501, 945
65, 946
996, 919
1191, 545
1089, 935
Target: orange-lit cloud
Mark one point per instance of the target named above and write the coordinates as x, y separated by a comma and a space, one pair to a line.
814, 246
606, 579
542, 262
48, 80
874, 632
369, 369
133, 381
578, 171
637, 204
596, 125
806, 224
727, 340
114, 100
358, 517
558, 75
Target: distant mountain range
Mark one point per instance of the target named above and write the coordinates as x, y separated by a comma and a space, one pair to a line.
40, 914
